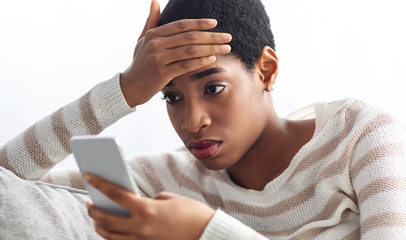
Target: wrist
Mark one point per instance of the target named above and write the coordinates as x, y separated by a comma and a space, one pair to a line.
206, 218
128, 90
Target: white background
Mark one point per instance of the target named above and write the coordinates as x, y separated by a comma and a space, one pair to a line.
54, 51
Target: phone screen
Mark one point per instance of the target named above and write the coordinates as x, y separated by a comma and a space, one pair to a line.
101, 156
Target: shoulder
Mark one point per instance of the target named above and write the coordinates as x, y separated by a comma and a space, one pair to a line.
345, 114
353, 114
361, 132
351, 128
324, 111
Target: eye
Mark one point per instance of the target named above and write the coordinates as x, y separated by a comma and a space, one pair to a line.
213, 89
170, 98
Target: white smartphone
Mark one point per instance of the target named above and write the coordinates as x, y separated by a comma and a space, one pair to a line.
101, 156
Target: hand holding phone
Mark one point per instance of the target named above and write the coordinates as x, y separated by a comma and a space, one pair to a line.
101, 156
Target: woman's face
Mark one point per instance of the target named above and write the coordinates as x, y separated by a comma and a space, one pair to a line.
218, 111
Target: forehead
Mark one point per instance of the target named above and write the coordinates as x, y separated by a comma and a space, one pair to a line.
224, 64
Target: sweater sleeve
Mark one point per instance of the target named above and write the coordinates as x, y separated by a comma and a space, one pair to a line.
378, 176
223, 227
32, 153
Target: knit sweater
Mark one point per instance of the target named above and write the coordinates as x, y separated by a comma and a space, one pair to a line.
347, 182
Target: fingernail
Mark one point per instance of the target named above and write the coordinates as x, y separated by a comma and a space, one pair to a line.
212, 22
227, 36
87, 177
225, 48
211, 58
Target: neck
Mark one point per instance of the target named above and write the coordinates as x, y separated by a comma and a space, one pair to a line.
272, 152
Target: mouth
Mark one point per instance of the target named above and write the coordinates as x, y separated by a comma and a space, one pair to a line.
204, 149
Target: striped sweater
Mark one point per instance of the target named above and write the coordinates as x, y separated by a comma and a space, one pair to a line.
347, 182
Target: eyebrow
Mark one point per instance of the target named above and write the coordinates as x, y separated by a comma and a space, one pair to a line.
203, 74
207, 72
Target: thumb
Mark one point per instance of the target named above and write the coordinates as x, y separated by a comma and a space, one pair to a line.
153, 18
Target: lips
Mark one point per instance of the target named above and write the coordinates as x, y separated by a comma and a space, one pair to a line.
204, 149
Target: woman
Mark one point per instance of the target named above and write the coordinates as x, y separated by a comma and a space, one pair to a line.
244, 173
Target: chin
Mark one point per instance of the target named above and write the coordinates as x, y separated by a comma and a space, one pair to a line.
215, 163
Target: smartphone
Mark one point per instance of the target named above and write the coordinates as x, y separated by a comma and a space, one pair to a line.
102, 156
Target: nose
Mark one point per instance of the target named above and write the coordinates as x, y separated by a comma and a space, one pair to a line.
196, 118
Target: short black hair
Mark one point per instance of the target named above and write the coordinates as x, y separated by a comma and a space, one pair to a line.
246, 20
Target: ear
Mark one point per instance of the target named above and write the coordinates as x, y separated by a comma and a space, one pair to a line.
268, 66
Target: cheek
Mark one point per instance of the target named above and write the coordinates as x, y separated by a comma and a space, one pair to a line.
175, 118
245, 114
227, 115
235, 119
234, 110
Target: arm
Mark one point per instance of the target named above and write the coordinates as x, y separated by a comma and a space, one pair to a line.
160, 55
32, 153
223, 226
378, 175
65, 177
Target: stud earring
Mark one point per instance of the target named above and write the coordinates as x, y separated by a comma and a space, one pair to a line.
270, 88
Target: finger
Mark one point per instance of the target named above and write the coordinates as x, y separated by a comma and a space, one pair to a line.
121, 196
153, 18
184, 25
166, 196
109, 222
195, 38
179, 68
192, 52
112, 235
137, 224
